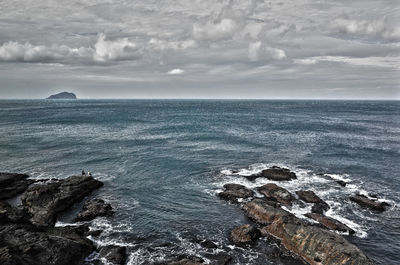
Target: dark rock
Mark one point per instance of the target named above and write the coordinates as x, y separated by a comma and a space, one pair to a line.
220, 258
341, 183
9, 214
12, 184
44, 202
253, 176
63, 95
184, 262
330, 223
278, 174
309, 242
320, 208
244, 235
27, 244
94, 233
274, 192
206, 243
114, 254
364, 201
93, 209
235, 191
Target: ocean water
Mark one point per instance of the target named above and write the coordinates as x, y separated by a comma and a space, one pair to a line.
163, 161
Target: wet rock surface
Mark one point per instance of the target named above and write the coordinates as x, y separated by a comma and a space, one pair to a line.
365, 202
309, 196
244, 235
45, 201
330, 223
274, 192
12, 184
233, 192
94, 208
114, 254
274, 173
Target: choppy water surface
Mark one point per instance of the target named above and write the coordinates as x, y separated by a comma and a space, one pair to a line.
163, 162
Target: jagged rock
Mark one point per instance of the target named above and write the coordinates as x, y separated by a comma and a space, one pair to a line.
330, 223
364, 201
341, 183
30, 245
320, 208
309, 196
220, 258
114, 254
314, 244
44, 202
244, 235
10, 214
12, 184
278, 174
94, 208
233, 192
184, 262
206, 243
274, 192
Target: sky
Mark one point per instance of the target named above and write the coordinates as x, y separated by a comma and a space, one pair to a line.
303, 49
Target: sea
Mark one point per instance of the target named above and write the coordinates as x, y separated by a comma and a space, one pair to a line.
164, 161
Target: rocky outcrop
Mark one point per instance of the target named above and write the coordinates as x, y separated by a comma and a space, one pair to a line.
244, 235
330, 223
274, 173
63, 95
309, 196
114, 254
313, 244
365, 202
233, 192
12, 184
44, 202
94, 208
274, 192
29, 245
9, 214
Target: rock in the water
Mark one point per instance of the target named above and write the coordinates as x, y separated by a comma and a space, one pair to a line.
278, 174
44, 202
12, 184
206, 243
244, 235
29, 245
314, 244
309, 196
368, 203
219, 258
341, 183
233, 192
114, 254
63, 95
93, 209
320, 208
274, 192
185, 262
330, 223
262, 212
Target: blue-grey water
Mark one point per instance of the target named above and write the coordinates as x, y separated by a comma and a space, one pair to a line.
163, 161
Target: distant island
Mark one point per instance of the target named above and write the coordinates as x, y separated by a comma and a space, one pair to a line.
63, 95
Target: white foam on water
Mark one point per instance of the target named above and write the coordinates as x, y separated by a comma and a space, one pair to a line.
63, 224
299, 211
360, 231
343, 177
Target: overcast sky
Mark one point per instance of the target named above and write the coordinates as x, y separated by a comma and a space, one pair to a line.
200, 48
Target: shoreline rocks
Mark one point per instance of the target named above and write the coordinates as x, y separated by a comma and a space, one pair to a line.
309, 196
274, 173
233, 192
274, 192
12, 184
94, 208
365, 202
244, 235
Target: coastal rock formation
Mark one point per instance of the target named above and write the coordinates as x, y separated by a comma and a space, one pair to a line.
94, 208
30, 245
233, 192
63, 95
365, 202
314, 244
274, 173
274, 192
330, 223
244, 235
44, 202
12, 184
309, 196
9, 214
114, 254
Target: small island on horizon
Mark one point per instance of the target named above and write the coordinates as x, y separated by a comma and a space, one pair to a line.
63, 95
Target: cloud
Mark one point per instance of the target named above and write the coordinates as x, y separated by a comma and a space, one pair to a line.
120, 49
307, 61
103, 51
176, 71
213, 31
372, 28
254, 48
257, 51
162, 45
